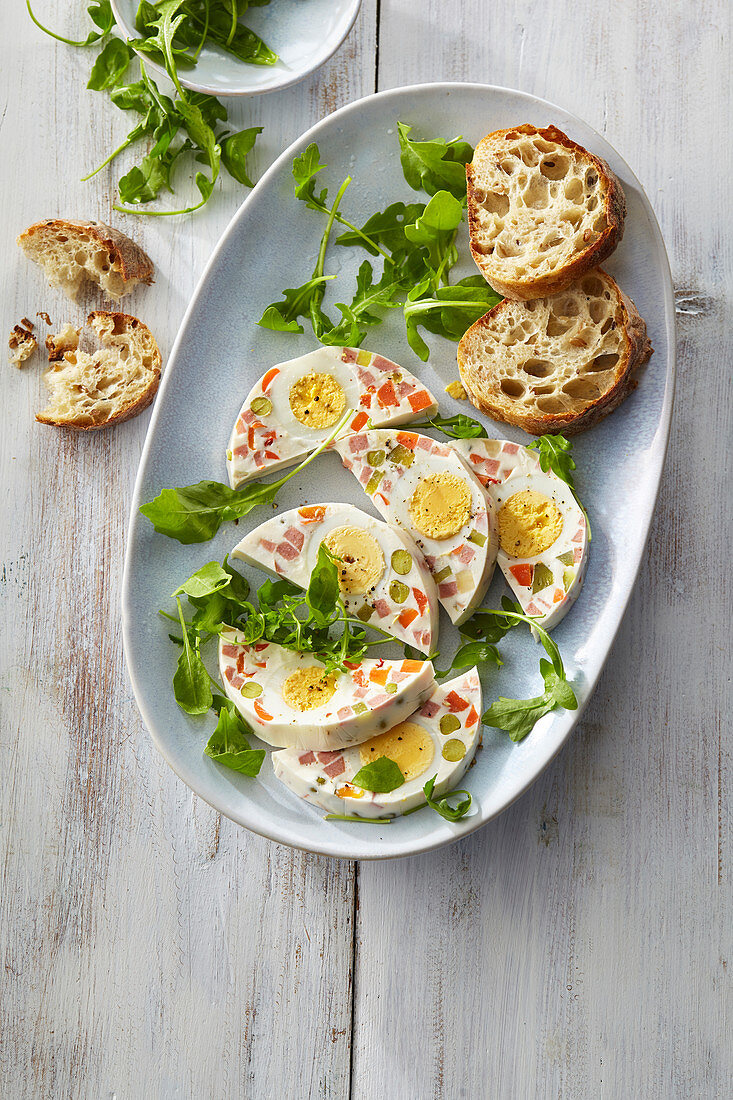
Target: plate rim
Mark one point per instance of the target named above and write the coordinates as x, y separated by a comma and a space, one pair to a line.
242, 91
662, 433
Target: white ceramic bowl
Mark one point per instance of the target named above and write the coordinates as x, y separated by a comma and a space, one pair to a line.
304, 34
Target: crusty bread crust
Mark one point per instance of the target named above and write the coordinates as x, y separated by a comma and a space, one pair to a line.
490, 189
99, 389
556, 364
109, 258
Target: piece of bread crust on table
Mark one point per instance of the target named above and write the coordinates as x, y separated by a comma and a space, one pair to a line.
90, 390
555, 364
73, 252
21, 345
542, 211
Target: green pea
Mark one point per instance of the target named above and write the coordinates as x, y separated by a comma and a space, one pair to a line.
454, 750
375, 458
262, 406
566, 558
449, 723
402, 562
398, 591
251, 690
373, 483
542, 577
568, 576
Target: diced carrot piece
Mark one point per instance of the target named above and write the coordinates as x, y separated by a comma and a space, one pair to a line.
347, 791
407, 439
379, 675
407, 616
558, 595
366, 399
261, 712
411, 666
523, 573
454, 701
269, 378
420, 599
472, 718
419, 400
313, 513
251, 437
386, 394
272, 455
383, 498
359, 421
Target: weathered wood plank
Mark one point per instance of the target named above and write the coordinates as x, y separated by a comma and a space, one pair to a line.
149, 948
578, 945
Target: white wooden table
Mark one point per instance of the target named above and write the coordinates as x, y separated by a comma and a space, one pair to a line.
576, 947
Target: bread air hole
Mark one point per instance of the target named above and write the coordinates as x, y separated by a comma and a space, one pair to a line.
583, 388
574, 190
603, 362
557, 327
598, 310
544, 146
511, 387
538, 368
550, 404
496, 204
555, 167
528, 154
536, 194
592, 286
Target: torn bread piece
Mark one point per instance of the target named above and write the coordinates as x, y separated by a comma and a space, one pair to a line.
72, 253
58, 343
21, 345
90, 390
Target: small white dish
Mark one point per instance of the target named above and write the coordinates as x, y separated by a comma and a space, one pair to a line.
619, 461
303, 33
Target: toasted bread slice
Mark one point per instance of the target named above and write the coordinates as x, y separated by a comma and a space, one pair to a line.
541, 211
72, 253
97, 389
555, 364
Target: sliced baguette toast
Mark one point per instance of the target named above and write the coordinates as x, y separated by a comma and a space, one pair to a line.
97, 389
72, 253
556, 364
541, 211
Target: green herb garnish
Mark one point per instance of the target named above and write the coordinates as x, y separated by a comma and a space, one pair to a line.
361, 820
443, 806
228, 744
556, 454
194, 513
455, 427
191, 682
381, 776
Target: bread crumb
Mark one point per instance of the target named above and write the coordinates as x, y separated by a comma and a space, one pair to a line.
26, 323
21, 345
58, 343
44, 317
456, 389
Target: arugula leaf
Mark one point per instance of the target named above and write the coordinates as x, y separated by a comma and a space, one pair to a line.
518, 716
110, 66
100, 13
228, 744
435, 229
472, 653
432, 166
282, 316
234, 150
443, 807
447, 311
386, 227
381, 776
191, 684
194, 513
556, 454
323, 592
455, 427
209, 578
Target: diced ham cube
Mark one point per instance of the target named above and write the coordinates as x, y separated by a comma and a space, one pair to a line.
364, 476
336, 767
382, 608
510, 448
348, 355
448, 588
307, 758
424, 443
343, 713
380, 363
285, 550
465, 554
429, 710
577, 554
230, 650
329, 754
295, 536
357, 443
379, 701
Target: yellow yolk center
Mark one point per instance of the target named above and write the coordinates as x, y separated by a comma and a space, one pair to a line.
408, 744
529, 523
308, 688
440, 505
317, 400
359, 558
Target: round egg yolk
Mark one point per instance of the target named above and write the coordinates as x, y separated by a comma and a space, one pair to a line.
308, 688
359, 558
440, 505
408, 744
529, 523
317, 400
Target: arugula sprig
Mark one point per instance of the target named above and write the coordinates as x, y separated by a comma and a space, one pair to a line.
556, 454
188, 126
442, 806
194, 513
229, 743
417, 246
